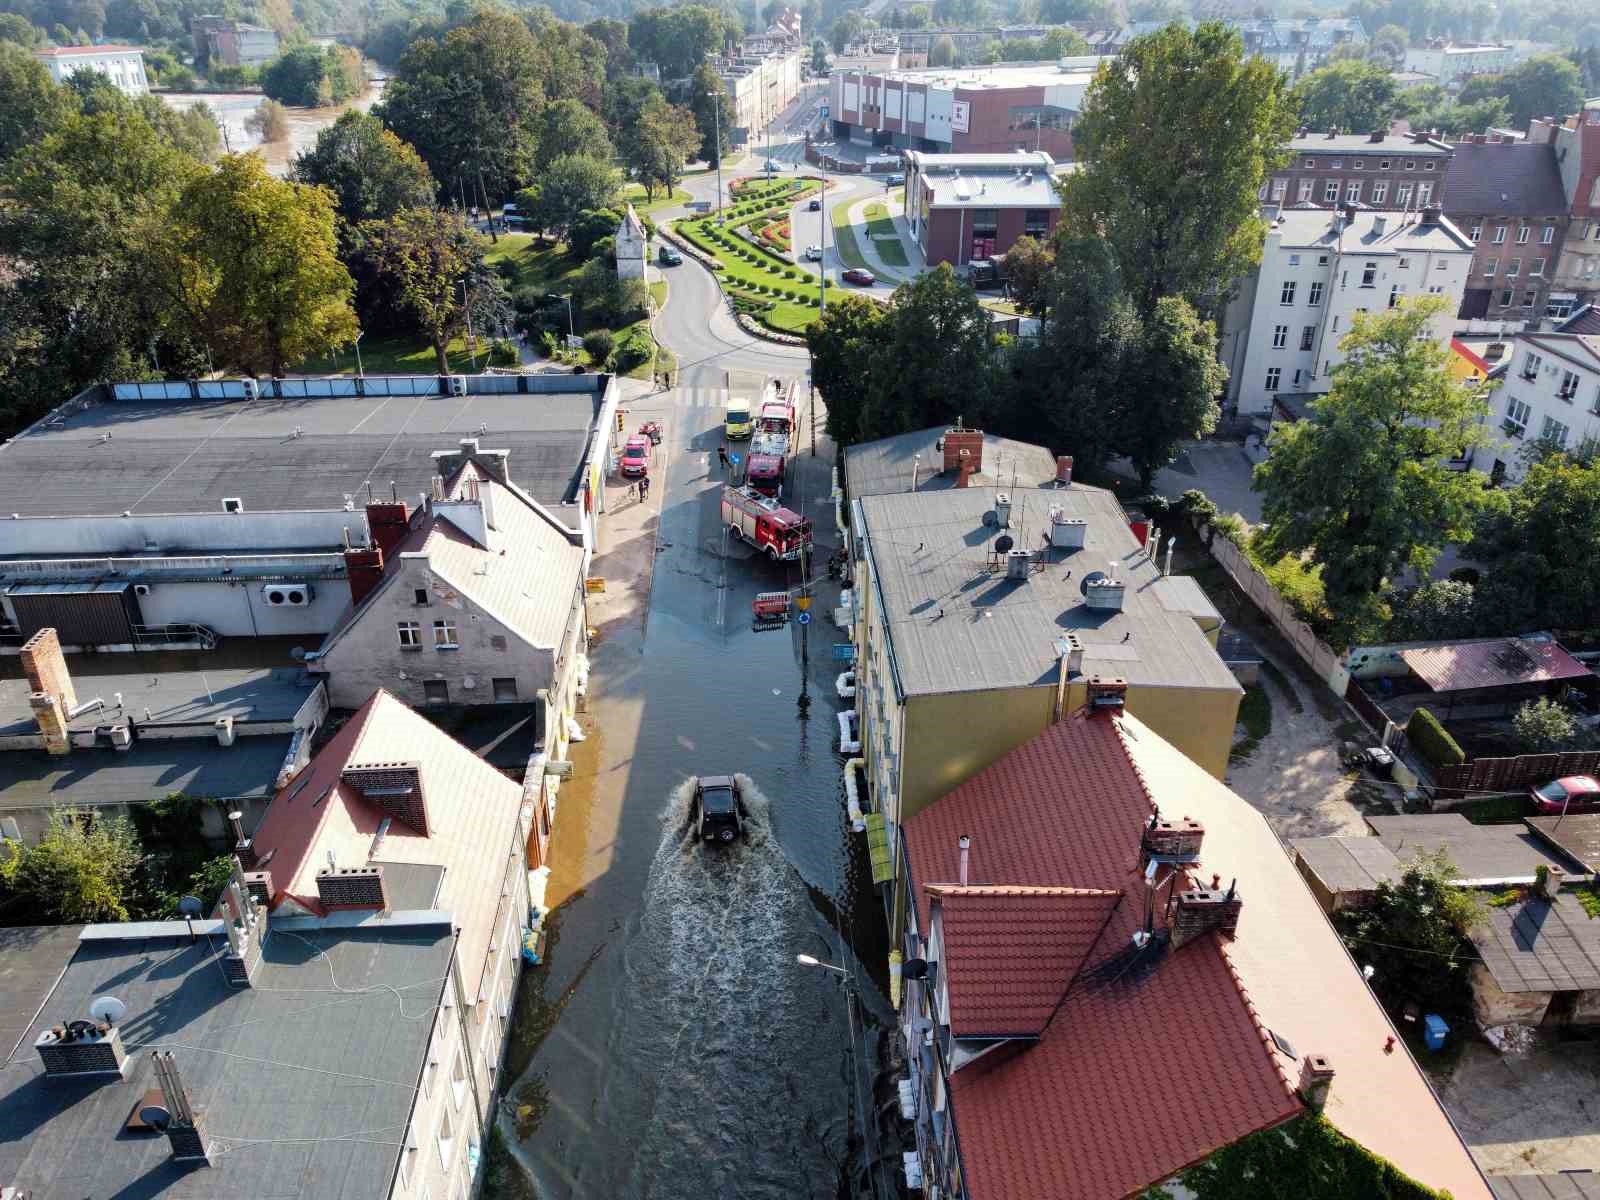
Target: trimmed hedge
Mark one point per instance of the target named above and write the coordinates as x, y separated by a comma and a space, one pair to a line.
1433, 741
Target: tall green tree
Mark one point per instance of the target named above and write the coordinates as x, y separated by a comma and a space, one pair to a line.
251, 267
1027, 266
677, 39
569, 128
572, 64
1546, 85
1167, 387
713, 113
1175, 139
370, 172
569, 186
1354, 95
31, 104
469, 103
660, 144
1364, 484
426, 259
79, 872
1537, 539
613, 35
844, 344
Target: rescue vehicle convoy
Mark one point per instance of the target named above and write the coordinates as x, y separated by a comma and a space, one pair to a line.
772, 442
778, 532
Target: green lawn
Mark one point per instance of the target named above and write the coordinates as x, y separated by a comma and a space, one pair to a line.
546, 267
395, 356
879, 222
844, 239
634, 194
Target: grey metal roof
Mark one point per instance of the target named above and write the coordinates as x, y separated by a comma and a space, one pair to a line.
1320, 229
171, 698
1347, 864
1482, 854
31, 960
1566, 1185
187, 455
1577, 835
1394, 145
874, 468
1515, 179
412, 886
306, 1089
148, 770
1538, 946
956, 626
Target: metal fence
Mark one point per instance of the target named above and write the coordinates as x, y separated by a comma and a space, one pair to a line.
1325, 663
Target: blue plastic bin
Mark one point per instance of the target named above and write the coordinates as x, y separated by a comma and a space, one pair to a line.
1434, 1031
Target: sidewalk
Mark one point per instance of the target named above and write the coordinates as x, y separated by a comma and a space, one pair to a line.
857, 216
625, 554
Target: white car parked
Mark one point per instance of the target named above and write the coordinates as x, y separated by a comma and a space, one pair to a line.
813, 253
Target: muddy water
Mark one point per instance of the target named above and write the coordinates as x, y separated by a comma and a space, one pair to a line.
233, 110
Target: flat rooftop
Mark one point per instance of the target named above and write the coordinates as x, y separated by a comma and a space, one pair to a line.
958, 626
994, 190
147, 770
1392, 145
256, 694
887, 465
305, 1087
1018, 75
281, 455
1401, 233
31, 960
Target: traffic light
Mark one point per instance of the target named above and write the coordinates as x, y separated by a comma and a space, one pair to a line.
619, 420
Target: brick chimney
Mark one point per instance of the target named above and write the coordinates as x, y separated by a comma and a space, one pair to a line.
1200, 910
1547, 881
393, 787
81, 1048
364, 568
1173, 839
958, 439
387, 523
352, 887
51, 694
1316, 1081
1110, 692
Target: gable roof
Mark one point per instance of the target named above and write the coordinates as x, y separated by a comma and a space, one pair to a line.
1081, 1112
1585, 320
1011, 952
472, 816
1517, 179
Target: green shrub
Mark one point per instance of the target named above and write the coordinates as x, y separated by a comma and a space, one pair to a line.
632, 351
599, 343
549, 343
1232, 527
1432, 740
1197, 506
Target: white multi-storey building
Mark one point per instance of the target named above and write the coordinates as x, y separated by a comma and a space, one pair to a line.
1319, 268
1549, 393
123, 65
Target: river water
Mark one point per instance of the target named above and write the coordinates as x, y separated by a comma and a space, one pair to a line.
233, 109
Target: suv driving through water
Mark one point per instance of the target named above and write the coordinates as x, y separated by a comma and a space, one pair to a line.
717, 813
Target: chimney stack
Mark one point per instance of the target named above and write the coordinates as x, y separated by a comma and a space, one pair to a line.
1547, 882
243, 848
1064, 470
1109, 692
364, 569
182, 1123
51, 693
958, 439
1432, 214
965, 844
387, 525
1200, 910
1316, 1081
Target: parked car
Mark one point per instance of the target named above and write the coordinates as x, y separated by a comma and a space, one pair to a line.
814, 204
717, 811
774, 165
859, 275
636, 457
1569, 794
895, 180
669, 257
813, 253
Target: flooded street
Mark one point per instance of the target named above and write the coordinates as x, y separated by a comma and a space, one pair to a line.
233, 109
673, 1047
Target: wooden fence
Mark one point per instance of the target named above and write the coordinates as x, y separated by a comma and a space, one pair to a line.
1511, 774
1325, 662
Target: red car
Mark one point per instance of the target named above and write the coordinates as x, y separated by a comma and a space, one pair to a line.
636, 458
859, 275
1569, 794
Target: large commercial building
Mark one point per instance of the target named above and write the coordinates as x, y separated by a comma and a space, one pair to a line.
762, 79
1451, 65
982, 613
975, 110
965, 206
1282, 334
122, 65
1092, 912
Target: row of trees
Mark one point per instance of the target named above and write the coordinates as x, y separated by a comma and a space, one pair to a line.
1356, 94
1158, 217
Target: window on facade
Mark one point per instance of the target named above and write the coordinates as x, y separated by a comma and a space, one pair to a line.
1036, 222
1384, 165
1530, 298
1305, 189
1335, 325
1356, 164
1352, 192
1311, 164
1394, 295
1279, 187
1294, 260
1274, 374
1336, 165
1547, 235
444, 635
1424, 193
1402, 195
419, 595
1286, 296
1569, 386
1517, 415
1380, 189
505, 688
1314, 296
1369, 274
458, 1078
1477, 232
1280, 336
1506, 297
1531, 365
410, 635
1429, 165
1522, 235
1306, 334
1513, 268
1499, 234
435, 691
1330, 191
1536, 267
1554, 431
1411, 164
1490, 266
446, 1139
1559, 309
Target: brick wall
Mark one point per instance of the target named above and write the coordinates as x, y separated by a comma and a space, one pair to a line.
46, 668
396, 788
352, 887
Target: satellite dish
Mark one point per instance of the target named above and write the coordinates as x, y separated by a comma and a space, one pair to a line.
155, 1114
1091, 578
108, 1010
191, 906
1003, 543
990, 519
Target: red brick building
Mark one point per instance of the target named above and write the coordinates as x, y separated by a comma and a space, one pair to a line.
965, 206
1399, 171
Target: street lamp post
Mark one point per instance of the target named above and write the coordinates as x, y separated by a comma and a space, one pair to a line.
567, 296
360, 374
716, 121
810, 960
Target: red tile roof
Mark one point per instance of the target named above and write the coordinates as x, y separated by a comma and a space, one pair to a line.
73, 51
1010, 953
1491, 662
1155, 1058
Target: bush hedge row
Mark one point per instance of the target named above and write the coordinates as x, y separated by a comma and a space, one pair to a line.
1433, 741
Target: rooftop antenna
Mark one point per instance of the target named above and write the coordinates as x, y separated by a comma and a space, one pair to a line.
191, 907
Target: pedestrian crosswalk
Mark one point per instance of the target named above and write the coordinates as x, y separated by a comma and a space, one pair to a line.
699, 397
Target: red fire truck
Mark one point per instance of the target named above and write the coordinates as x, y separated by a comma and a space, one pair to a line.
765, 524
773, 440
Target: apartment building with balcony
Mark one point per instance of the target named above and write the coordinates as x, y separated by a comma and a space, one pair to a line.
1549, 397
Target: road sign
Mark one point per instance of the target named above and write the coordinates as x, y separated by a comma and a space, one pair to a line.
844, 652
734, 459
802, 602
804, 618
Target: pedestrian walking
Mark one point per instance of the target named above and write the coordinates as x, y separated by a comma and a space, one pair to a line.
644, 487
722, 456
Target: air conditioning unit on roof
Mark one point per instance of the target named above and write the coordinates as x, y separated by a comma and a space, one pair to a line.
288, 595
458, 385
